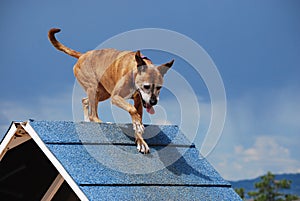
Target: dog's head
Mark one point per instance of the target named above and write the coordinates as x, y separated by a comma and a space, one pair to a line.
149, 80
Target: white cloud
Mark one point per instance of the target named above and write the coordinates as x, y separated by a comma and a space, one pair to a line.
265, 149
261, 134
42, 108
266, 154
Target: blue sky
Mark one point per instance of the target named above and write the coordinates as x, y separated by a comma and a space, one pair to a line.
254, 44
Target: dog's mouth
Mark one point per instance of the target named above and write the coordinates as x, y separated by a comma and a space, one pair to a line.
149, 107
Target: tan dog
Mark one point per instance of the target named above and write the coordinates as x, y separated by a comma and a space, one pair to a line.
120, 75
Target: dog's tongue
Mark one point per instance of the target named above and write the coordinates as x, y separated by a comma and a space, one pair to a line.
150, 110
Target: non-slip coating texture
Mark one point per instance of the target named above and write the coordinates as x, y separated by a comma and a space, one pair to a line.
102, 159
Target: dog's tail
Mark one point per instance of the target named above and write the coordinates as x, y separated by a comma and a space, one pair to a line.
60, 46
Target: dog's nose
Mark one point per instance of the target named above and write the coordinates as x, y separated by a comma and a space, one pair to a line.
153, 101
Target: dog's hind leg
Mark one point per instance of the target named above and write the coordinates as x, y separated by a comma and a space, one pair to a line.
93, 105
90, 104
85, 105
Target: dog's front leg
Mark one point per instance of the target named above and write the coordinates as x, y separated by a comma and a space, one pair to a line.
141, 144
136, 118
136, 122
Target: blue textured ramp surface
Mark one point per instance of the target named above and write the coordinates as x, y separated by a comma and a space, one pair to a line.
89, 132
179, 193
102, 159
186, 169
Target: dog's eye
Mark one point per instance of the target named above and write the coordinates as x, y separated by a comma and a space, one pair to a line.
158, 88
146, 86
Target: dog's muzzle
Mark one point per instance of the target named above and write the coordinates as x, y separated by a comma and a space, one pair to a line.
153, 100
149, 106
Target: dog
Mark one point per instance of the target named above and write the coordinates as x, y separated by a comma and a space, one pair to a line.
119, 75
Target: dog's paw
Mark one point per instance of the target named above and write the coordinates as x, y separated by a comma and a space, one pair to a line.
97, 120
138, 127
142, 146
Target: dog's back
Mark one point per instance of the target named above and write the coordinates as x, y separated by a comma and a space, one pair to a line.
105, 66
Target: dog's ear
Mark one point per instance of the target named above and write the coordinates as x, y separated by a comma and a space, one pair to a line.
141, 65
165, 67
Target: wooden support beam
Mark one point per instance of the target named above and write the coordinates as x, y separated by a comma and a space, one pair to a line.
18, 137
58, 181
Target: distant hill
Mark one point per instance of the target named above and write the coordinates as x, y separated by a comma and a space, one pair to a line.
248, 185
